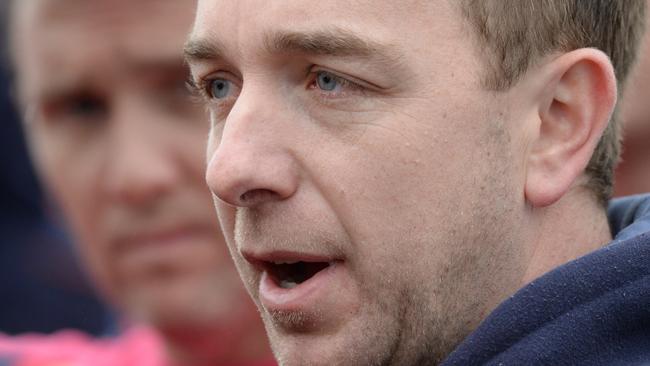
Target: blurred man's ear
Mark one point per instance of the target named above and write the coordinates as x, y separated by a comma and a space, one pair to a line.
578, 94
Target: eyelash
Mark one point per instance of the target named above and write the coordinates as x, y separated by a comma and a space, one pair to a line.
347, 86
195, 93
200, 93
198, 89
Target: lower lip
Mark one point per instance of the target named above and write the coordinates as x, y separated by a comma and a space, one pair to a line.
302, 297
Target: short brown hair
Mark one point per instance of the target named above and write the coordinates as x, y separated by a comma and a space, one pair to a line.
517, 33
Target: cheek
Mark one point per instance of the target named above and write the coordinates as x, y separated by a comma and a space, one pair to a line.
403, 194
226, 215
70, 175
68, 170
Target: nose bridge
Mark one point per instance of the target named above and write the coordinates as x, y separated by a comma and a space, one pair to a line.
139, 164
252, 162
248, 128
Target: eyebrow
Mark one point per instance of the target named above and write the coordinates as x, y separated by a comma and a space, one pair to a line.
332, 42
335, 42
201, 49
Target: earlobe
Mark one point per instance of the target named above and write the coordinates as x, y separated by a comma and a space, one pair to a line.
578, 100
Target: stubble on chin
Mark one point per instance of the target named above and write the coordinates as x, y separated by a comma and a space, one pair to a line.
292, 322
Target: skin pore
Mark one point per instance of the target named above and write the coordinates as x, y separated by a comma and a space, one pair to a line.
346, 137
119, 143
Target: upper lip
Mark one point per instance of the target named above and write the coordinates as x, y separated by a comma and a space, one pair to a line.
260, 259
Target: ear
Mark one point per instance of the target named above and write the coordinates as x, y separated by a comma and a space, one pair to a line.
577, 98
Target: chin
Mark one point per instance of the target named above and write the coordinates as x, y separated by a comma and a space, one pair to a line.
292, 352
352, 344
168, 304
323, 352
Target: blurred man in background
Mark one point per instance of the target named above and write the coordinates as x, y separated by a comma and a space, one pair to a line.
37, 262
117, 141
633, 173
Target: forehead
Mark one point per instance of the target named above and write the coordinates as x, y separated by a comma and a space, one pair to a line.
249, 22
88, 36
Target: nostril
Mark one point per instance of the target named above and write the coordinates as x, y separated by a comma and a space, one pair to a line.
255, 196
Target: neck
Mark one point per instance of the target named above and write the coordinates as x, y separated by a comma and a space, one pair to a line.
570, 228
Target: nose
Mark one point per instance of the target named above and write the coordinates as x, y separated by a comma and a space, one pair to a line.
251, 161
140, 165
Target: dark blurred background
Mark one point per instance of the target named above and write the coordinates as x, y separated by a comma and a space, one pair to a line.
42, 287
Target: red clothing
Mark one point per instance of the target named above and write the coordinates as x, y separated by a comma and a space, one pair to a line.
139, 346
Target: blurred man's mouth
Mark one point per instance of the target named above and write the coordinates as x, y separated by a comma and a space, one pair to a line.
161, 249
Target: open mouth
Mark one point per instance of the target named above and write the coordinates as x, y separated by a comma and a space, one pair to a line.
291, 281
288, 275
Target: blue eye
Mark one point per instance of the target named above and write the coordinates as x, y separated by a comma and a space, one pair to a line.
326, 81
219, 88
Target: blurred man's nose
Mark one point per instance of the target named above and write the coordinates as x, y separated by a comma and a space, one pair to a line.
251, 163
140, 162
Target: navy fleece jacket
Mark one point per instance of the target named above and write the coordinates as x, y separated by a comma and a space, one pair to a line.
592, 311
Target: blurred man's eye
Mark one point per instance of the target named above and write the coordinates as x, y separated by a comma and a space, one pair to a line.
77, 108
86, 107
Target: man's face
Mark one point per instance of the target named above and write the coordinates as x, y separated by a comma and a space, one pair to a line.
363, 177
121, 145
